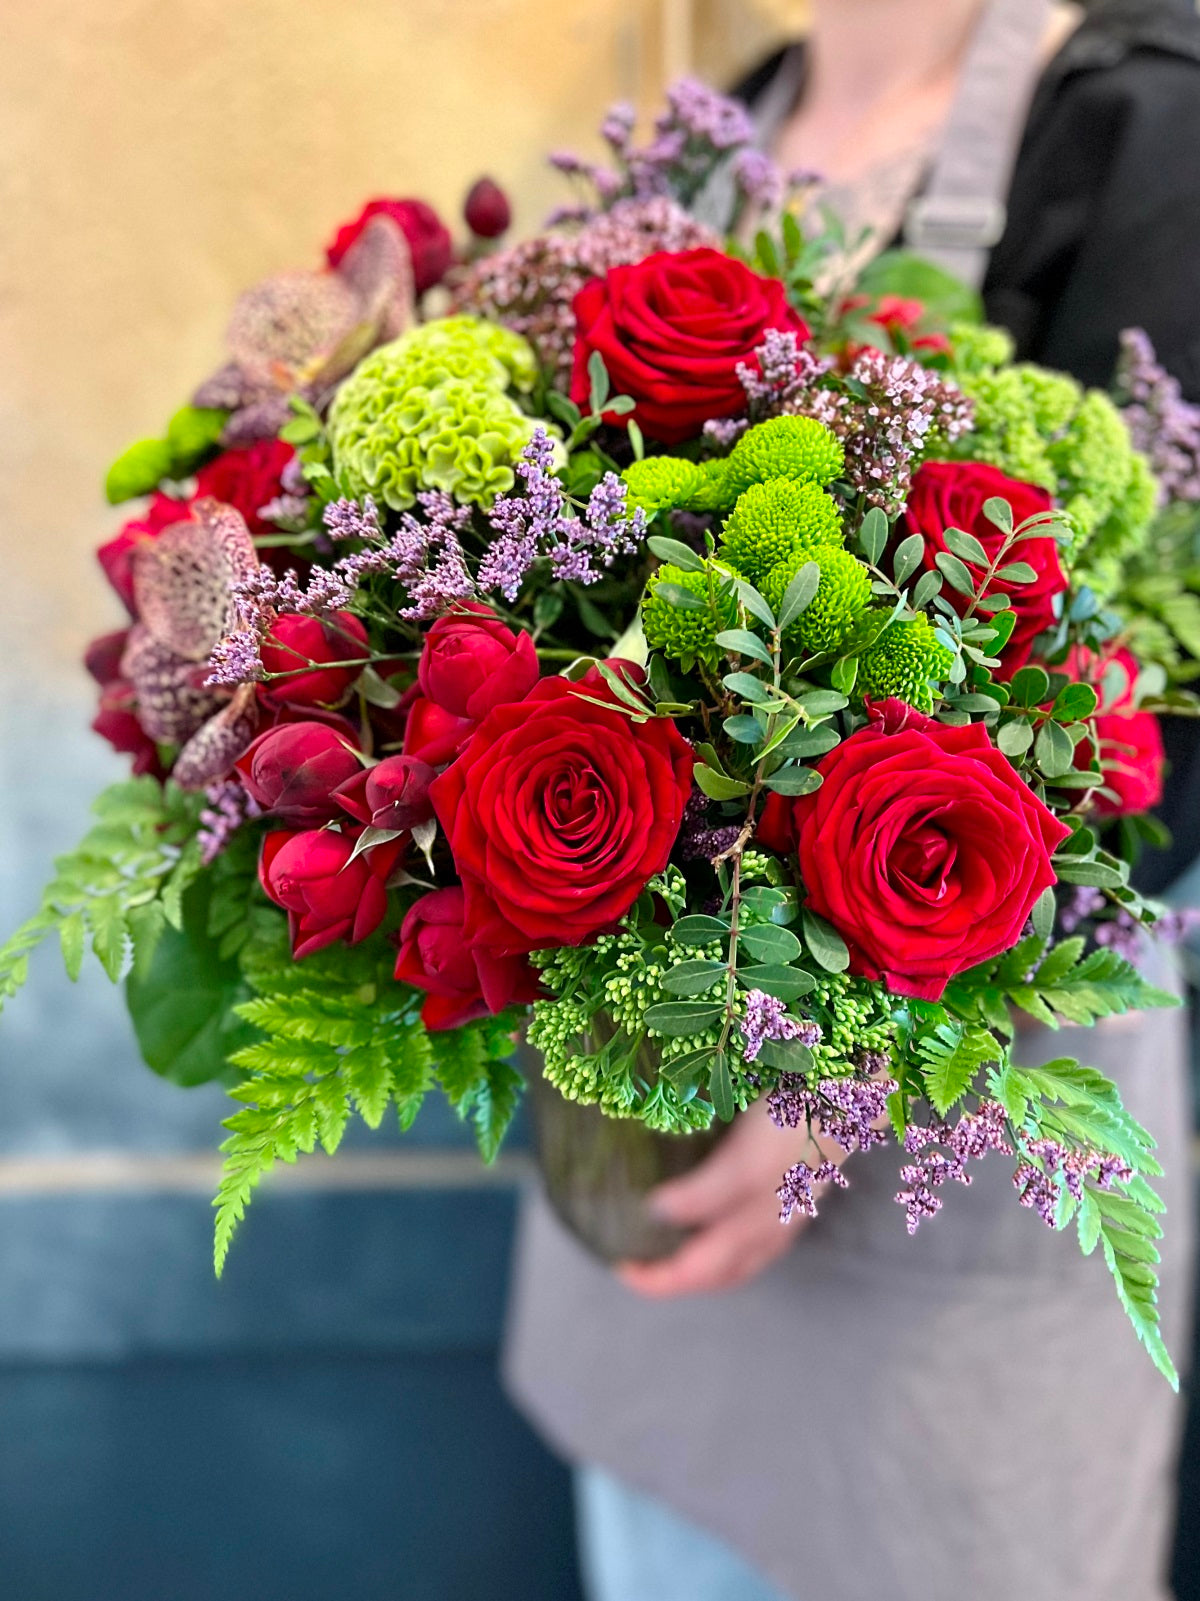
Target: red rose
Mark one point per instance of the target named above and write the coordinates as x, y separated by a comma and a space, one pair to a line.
486, 210
293, 769
472, 662
103, 656
434, 734
117, 722
1131, 754
247, 477
952, 494
672, 330
326, 895
295, 642
922, 847
461, 982
557, 813
393, 794
116, 556
428, 238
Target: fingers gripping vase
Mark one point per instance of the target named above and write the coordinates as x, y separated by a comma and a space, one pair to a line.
597, 1171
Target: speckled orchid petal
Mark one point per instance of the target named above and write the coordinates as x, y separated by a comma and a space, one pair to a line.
172, 701
182, 580
212, 750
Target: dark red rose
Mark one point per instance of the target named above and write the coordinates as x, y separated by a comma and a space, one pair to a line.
295, 642
326, 895
486, 210
952, 494
461, 982
247, 478
293, 769
472, 662
672, 330
103, 656
117, 722
116, 556
428, 238
1128, 742
393, 794
434, 734
922, 847
557, 813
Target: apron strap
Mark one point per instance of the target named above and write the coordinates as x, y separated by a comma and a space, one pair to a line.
961, 213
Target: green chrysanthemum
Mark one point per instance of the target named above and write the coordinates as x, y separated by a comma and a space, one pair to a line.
837, 608
687, 634
799, 448
907, 662
431, 411
663, 483
773, 520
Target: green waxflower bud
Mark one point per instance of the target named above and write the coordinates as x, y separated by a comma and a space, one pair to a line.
800, 448
906, 662
839, 605
687, 633
772, 520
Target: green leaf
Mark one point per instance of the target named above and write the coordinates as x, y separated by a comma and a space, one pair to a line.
138, 471
598, 384
786, 1056
692, 978
1074, 702
1030, 686
951, 1056
744, 643
71, 938
1053, 750
928, 585
753, 602
999, 513
955, 573
966, 547
744, 729
824, 942
768, 943
873, 535
1095, 874
718, 786
676, 1018
1000, 625
755, 690
679, 597
799, 594
1044, 909
699, 930
675, 552
1017, 572
909, 554
809, 742
720, 1087
844, 674
785, 983
191, 433
793, 781
820, 702
1015, 738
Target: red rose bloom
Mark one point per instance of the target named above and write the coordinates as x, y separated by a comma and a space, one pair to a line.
428, 238
461, 982
434, 734
1131, 754
295, 642
472, 662
326, 895
293, 769
247, 477
922, 847
393, 794
672, 330
952, 494
116, 555
557, 813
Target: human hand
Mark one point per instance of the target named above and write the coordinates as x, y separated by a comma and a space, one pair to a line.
730, 1201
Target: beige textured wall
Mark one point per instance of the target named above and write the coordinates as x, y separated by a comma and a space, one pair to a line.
159, 155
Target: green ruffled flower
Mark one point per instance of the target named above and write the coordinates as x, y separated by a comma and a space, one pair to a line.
775, 519
431, 410
839, 605
907, 662
799, 448
688, 635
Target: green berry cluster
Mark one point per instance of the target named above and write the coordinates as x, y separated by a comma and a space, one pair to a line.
907, 661
855, 1016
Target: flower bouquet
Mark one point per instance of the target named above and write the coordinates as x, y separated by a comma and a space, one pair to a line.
640, 642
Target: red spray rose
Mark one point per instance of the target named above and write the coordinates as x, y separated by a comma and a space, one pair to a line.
1131, 754
293, 769
557, 813
672, 330
486, 210
247, 477
116, 556
952, 494
472, 662
428, 238
434, 734
296, 641
461, 982
393, 794
326, 895
922, 847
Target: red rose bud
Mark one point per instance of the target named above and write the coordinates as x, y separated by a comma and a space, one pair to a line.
296, 642
103, 656
472, 662
672, 330
486, 209
247, 478
952, 494
461, 983
326, 895
394, 794
923, 847
428, 238
293, 770
433, 734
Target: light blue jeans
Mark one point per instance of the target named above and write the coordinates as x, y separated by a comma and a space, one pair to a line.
632, 1548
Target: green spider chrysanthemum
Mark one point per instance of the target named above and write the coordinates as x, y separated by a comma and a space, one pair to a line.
906, 662
837, 608
775, 519
800, 448
431, 410
688, 635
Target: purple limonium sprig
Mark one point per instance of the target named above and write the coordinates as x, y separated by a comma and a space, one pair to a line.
782, 375
796, 1191
1161, 423
843, 1108
766, 1018
970, 1138
228, 806
758, 178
